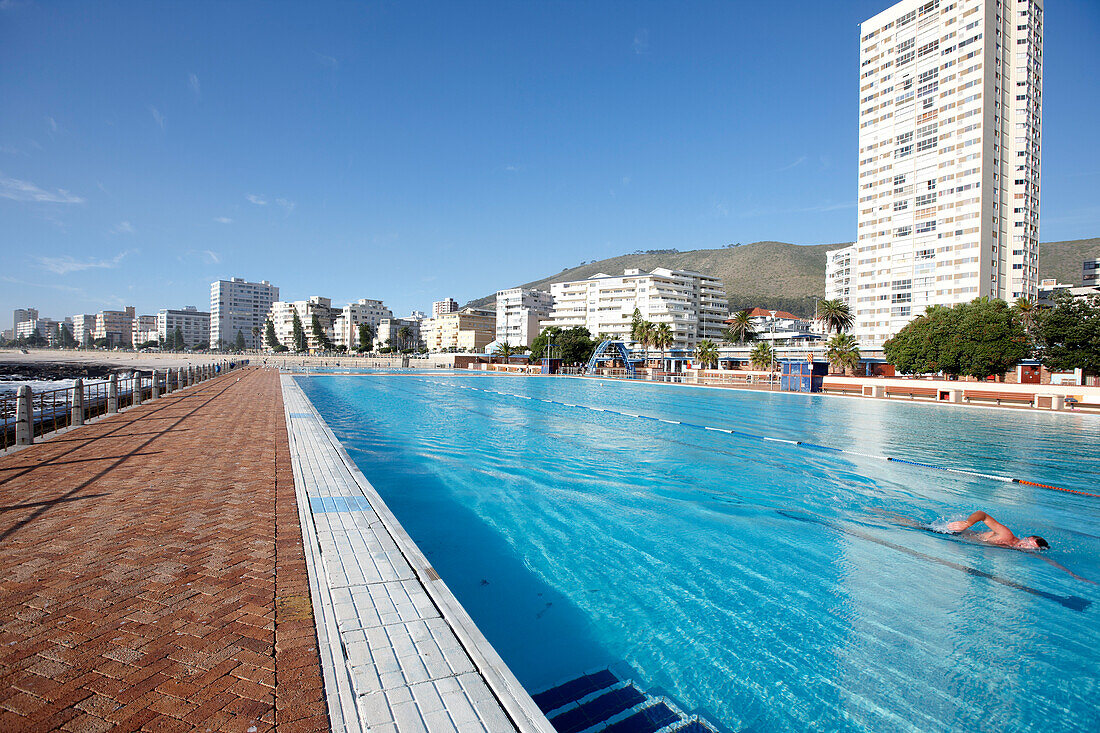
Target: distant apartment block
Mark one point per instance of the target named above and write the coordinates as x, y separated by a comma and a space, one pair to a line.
144, 329
117, 327
1090, 272
20, 315
441, 307
693, 305
47, 328
392, 332
84, 328
194, 325
362, 312
950, 121
519, 311
470, 329
838, 274
237, 306
282, 316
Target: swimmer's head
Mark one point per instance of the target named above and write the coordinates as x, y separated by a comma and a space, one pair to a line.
1035, 542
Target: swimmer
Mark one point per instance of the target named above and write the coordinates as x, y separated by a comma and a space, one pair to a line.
998, 534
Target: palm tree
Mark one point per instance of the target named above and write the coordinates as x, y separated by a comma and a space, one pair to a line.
403, 335
842, 351
835, 314
647, 334
706, 353
761, 356
1027, 312
740, 329
504, 350
662, 336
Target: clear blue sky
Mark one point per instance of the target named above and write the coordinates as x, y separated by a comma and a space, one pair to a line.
412, 151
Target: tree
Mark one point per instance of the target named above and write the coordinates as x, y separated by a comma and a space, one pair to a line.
663, 336
1026, 312
270, 337
238, 343
761, 356
504, 350
706, 353
842, 351
67, 340
178, 343
572, 345
256, 336
980, 339
1068, 334
297, 334
404, 334
740, 329
646, 334
637, 324
835, 314
366, 336
102, 343
150, 344
319, 334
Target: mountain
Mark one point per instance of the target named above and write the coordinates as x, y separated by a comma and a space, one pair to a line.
783, 276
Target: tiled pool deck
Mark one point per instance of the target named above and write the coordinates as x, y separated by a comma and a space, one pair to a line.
398, 651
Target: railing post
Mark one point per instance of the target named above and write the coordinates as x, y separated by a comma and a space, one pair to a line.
24, 429
156, 386
180, 384
77, 417
135, 392
112, 394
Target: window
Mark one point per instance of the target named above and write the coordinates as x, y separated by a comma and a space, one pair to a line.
904, 231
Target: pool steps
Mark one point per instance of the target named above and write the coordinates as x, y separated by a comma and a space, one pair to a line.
599, 702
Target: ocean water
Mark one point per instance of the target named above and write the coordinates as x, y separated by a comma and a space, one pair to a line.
764, 585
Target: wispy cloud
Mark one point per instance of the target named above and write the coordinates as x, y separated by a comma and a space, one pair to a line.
513, 168
258, 200
51, 286
17, 190
65, 264
193, 84
329, 62
51, 126
287, 204
223, 220
641, 41
206, 256
10, 150
782, 211
794, 164
157, 115
123, 227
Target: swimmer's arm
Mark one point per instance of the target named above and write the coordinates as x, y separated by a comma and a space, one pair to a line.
999, 533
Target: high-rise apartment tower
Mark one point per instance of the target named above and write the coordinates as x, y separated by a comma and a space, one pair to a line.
237, 306
950, 121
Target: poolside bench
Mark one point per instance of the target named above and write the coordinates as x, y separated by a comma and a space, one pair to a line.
844, 388
999, 397
912, 392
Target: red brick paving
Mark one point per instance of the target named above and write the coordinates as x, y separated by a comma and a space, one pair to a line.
152, 574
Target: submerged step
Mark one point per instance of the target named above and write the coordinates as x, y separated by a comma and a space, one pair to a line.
574, 690
648, 720
597, 710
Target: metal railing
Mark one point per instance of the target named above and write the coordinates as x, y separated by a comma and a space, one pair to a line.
29, 414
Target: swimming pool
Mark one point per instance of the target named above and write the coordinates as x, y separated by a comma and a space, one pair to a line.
761, 584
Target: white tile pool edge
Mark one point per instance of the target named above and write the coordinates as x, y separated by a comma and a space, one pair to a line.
342, 699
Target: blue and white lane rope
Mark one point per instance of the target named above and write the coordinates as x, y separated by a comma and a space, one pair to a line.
800, 443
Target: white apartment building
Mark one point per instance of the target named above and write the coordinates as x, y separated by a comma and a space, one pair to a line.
282, 316
19, 315
144, 328
47, 328
441, 307
237, 306
389, 333
950, 122
838, 274
364, 311
693, 305
192, 323
84, 328
1090, 272
519, 311
115, 326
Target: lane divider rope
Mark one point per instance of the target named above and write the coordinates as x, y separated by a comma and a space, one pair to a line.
770, 439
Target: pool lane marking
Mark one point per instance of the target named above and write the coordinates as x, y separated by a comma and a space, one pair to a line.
770, 439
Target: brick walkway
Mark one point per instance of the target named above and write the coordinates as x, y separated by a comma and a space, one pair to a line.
152, 575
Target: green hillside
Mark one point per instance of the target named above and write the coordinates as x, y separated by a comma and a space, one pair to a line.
784, 276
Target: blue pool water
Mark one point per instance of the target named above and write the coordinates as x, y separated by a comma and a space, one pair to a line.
763, 585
